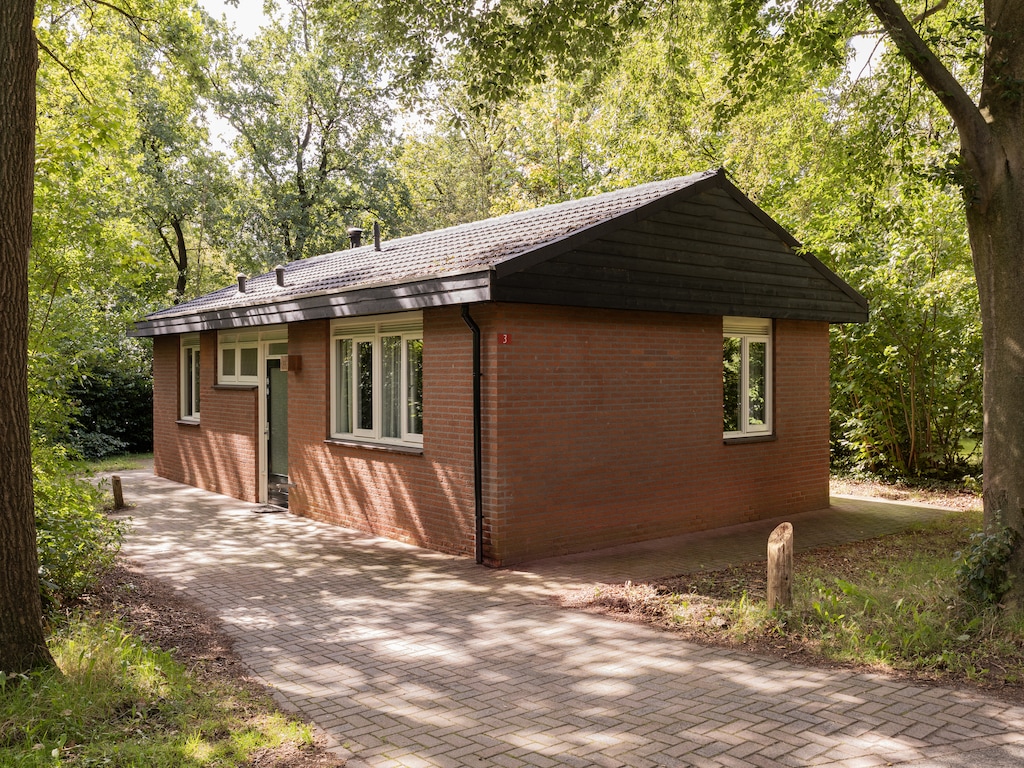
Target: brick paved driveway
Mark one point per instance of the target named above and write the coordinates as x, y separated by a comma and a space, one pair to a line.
410, 658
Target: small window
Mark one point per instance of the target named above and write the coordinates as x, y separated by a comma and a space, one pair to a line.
190, 377
239, 358
746, 376
377, 379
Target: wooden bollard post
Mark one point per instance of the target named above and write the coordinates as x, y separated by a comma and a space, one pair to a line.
780, 567
115, 484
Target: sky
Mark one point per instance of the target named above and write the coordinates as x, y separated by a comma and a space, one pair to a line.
246, 18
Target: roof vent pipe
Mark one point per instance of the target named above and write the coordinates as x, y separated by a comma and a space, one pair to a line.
279, 272
355, 236
376, 236
241, 283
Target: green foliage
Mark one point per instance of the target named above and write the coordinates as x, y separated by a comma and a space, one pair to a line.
908, 384
114, 399
894, 602
114, 701
307, 98
982, 569
76, 540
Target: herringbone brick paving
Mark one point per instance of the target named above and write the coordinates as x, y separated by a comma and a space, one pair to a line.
411, 658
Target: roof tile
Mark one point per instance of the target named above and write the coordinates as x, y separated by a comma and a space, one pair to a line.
465, 248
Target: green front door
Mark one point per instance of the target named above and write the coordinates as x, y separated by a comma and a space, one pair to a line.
277, 434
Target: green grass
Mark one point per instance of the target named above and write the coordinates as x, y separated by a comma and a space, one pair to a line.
116, 702
120, 462
892, 603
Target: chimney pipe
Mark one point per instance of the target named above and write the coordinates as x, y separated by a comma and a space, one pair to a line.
241, 283
376, 236
279, 272
355, 236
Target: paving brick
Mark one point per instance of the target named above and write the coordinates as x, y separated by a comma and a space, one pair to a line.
409, 658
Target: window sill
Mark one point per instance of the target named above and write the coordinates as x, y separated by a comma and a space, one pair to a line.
749, 439
243, 387
188, 422
385, 447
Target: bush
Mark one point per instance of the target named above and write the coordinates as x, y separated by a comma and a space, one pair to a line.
981, 570
76, 541
114, 402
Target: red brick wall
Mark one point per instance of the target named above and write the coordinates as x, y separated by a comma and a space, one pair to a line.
218, 454
422, 499
609, 430
599, 428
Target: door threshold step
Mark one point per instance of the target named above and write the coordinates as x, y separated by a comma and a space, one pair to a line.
264, 509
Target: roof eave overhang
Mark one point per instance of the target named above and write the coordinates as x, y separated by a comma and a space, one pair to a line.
464, 288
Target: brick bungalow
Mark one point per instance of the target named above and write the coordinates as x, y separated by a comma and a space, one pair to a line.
633, 365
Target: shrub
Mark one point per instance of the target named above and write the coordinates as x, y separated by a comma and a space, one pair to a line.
981, 570
114, 408
76, 541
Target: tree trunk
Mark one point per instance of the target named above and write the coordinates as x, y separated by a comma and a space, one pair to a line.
181, 262
994, 160
997, 236
22, 641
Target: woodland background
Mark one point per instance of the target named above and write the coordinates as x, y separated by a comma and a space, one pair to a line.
173, 153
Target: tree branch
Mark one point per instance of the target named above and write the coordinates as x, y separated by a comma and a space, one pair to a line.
975, 135
914, 21
65, 67
130, 17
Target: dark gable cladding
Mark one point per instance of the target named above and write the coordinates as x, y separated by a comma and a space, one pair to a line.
694, 244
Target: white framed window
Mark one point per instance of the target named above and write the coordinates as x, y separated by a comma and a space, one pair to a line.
190, 377
238, 357
746, 376
377, 379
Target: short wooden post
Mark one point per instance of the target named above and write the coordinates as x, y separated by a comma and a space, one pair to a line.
115, 483
780, 567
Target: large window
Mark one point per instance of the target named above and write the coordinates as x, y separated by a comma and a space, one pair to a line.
190, 377
746, 376
377, 379
239, 356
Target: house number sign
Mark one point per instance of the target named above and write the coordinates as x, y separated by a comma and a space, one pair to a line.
504, 338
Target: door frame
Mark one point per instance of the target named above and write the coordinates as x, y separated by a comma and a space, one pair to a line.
276, 335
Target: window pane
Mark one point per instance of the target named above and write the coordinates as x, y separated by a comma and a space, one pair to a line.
757, 393
278, 348
250, 361
364, 377
227, 362
391, 386
414, 395
343, 377
732, 361
190, 382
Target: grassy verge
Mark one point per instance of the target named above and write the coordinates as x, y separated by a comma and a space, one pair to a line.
891, 604
117, 702
117, 463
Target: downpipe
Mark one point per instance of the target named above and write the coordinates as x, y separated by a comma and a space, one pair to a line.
478, 469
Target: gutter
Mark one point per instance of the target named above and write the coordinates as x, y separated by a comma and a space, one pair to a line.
478, 493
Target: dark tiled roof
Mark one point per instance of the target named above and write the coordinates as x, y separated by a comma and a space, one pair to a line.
467, 248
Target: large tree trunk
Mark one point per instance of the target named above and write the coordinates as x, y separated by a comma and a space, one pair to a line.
997, 239
994, 160
22, 642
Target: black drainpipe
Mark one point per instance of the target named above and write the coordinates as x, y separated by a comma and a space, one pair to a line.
478, 468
